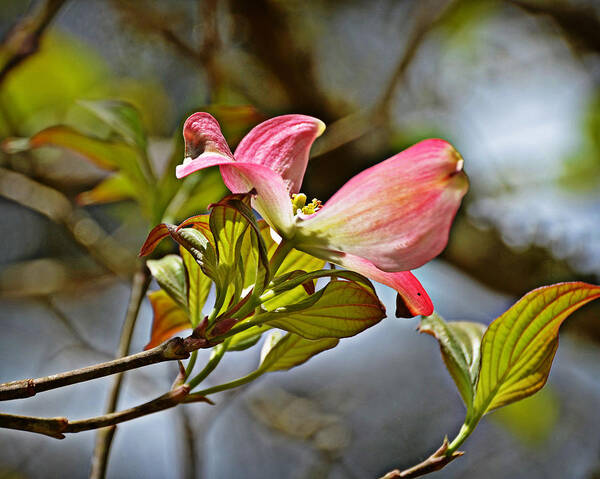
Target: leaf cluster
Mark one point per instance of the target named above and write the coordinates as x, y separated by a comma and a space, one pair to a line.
511, 359
257, 284
119, 146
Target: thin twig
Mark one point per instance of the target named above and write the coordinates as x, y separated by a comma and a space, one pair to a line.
141, 281
58, 426
438, 460
357, 124
149, 20
174, 349
24, 37
56, 206
188, 438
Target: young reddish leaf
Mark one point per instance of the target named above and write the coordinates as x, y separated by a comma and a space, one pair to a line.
341, 309
518, 347
460, 343
199, 222
114, 188
161, 231
169, 318
280, 354
155, 236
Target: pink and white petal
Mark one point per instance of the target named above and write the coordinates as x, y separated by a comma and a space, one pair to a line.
282, 144
202, 134
396, 214
272, 199
412, 298
205, 160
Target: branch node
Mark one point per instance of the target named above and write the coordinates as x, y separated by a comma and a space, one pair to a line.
438, 460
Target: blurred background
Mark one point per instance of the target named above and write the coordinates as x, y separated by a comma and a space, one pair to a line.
92, 98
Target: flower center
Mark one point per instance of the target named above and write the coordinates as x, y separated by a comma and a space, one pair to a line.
299, 204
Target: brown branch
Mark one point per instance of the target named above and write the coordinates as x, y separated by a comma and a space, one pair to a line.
146, 19
438, 460
428, 16
176, 348
271, 39
56, 206
166, 401
355, 125
189, 457
24, 37
58, 427
580, 23
50, 426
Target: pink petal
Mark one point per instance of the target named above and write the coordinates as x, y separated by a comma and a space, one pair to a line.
205, 160
396, 214
272, 199
412, 300
202, 134
204, 145
282, 143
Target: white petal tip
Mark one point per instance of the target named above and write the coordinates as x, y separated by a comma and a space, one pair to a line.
320, 127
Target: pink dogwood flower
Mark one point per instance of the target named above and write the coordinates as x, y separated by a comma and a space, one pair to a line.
387, 220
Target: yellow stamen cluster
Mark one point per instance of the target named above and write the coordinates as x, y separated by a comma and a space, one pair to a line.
299, 204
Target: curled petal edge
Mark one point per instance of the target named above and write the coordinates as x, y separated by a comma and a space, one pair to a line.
272, 199
412, 298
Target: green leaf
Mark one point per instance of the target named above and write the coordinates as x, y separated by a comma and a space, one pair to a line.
227, 225
200, 245
199, 222
341, 309
198, 286
518, 347
460, 343
156, 235
121, 117
104, 154
253, 260
294, 295
283, 353
169, 272
116, 187
247, 338
229, 221
295, 260
291, 280
168, 320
